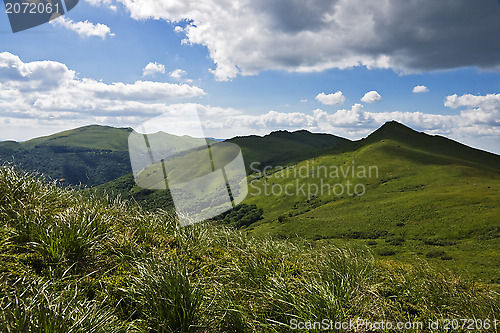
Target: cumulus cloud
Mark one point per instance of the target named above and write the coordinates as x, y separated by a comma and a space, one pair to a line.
274, 119
97, 3
85, 29
331, 99
244, 37
43, 94
353, 123
490, 101
177, 74
420, 89
49, 90
477, 109
180, 75
371, 97
153, 68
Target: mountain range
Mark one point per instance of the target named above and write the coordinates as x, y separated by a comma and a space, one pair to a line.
89, 155
426, 196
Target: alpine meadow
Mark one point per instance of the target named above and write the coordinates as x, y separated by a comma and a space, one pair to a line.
419, 244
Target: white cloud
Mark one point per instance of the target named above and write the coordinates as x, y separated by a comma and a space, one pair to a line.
97, 3
47, 94
274, 119
420, 89
153, 68
177, 74
36, 75
244, 37
180, 75
371, 97
489, 101
331, 99
85, 29
478, 110
49, 90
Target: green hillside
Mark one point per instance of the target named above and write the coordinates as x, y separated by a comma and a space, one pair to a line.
284, 146
412, 196
92, 137
425, 197
279, 147
70, 262
89, 155
432, 198
126, 188
94, 155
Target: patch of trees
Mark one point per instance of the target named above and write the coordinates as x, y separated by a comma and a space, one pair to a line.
241, 216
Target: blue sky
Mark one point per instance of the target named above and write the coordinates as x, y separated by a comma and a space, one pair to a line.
254, 66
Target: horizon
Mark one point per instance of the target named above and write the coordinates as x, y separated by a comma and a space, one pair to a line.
266, 134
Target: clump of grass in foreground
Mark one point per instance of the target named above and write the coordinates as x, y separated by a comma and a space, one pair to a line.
33, 304
98, 265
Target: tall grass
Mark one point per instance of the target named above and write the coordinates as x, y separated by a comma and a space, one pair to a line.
74, 263
168, 299
30, 304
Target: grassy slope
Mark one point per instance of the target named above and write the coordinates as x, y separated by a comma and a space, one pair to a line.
74, 263
277, 147
284, 147
126, 188
431, 195
89, 155
94, 155
92, 137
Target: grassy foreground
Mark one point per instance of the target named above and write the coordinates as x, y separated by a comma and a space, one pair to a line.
73, 263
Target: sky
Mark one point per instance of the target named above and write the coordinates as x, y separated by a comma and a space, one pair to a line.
254, 66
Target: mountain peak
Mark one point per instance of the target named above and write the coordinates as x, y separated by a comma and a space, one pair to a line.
394, 125
393, 130
287, 133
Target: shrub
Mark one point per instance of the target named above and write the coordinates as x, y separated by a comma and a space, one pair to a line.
396, 241
435, 254
241, 216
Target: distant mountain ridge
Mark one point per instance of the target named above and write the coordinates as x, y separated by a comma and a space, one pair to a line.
95, 154
92, 137
89, 155
432, 197
284, 146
